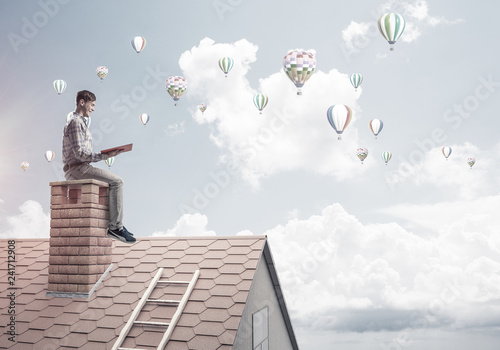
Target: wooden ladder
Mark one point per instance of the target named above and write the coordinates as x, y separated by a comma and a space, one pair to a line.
181, 304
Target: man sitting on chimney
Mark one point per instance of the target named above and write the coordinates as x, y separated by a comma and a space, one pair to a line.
77, 155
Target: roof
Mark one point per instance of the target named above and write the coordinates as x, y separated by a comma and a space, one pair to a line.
210, 320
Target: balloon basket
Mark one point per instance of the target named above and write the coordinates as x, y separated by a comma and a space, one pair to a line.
299, 92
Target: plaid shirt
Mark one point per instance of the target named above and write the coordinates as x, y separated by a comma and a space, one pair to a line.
77, 142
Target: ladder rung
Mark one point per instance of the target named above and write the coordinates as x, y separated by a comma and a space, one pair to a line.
173, 282
152, 323
164, 301
130, 349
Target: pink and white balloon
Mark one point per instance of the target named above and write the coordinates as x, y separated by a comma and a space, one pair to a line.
138, 44
376, 126
144, 117
49, 155
446, 152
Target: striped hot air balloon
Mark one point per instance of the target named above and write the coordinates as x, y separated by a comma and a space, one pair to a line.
339, 117
446, 152
391, 26
362, 153
59, 86
176, 86
356, 80
386, 156
260, 101
138, 43
376, 126
110, 161
226, 64
299, 66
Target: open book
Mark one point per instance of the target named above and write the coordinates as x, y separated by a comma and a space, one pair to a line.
124, 148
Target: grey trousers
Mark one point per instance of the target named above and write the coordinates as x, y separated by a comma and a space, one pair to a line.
115, 201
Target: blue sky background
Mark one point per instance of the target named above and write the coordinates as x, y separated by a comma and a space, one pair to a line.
404, 255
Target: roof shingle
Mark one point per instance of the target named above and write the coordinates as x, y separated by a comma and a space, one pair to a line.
209, 321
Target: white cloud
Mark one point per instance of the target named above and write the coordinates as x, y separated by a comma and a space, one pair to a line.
292, 132
383, 277
189, 225
429, 167
355, 33
418, 20
358, 35
32, 222
175, 129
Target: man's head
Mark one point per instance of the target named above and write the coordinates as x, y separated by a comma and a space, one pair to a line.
85, 103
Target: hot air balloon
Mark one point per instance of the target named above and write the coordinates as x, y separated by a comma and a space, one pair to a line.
356, 80
376, 126
299, 65
362, 153
202, 107
59, 86
49, 155
339, 117
110, 161
138, 43
25, 165
446, 152
68, 117
260, 101
391, 26
102, 72
471, 161
386, 156
144, 118
176, 86
226, 64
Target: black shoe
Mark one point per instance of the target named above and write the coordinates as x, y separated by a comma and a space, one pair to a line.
121, 235
130, 233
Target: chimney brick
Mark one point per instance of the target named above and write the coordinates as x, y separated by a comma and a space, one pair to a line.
80, 251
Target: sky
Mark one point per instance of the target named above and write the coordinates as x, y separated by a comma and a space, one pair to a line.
402, 255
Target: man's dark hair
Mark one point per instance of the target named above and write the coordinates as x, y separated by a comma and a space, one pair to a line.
85, 95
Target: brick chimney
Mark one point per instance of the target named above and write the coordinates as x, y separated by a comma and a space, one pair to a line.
80, 251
